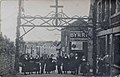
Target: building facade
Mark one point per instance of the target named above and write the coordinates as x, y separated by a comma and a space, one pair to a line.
76, 40
108, 31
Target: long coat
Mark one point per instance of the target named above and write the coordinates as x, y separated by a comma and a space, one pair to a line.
84, 67
53, 67
59, 61
25, 66
65, 64
48, 67
77, 62
72, 64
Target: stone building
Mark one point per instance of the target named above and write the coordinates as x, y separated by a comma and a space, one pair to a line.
74, 39
107, 16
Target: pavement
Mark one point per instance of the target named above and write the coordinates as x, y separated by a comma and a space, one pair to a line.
49, 75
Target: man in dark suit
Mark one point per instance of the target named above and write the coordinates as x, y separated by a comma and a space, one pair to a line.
59, 63
72, 63
77, 63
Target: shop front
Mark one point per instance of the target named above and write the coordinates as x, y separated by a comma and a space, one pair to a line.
79, 43
108, 48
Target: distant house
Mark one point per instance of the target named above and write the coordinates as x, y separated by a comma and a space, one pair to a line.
41, 47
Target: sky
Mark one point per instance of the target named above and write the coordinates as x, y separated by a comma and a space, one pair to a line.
9, 12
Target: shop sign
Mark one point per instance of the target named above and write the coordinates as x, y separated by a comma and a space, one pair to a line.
78, 35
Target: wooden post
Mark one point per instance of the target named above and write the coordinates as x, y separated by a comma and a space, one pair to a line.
94, 38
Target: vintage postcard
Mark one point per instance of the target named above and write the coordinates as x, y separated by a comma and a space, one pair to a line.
59, 38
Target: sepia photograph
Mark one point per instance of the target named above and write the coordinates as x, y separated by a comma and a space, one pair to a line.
59, 38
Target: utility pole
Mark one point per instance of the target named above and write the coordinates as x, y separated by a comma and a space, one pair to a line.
94, 10
17, 36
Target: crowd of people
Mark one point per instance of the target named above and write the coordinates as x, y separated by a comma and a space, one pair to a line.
63, 64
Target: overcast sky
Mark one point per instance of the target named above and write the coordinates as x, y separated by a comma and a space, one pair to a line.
9, 12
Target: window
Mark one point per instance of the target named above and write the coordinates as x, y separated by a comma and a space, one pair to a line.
117, 50
118, 6
107, 5
103, 10
99, 12
102, 45
113, 7
76, 45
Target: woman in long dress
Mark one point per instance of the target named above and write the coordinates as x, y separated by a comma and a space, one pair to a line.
83, 65
48, 65
65, 64
72, 63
